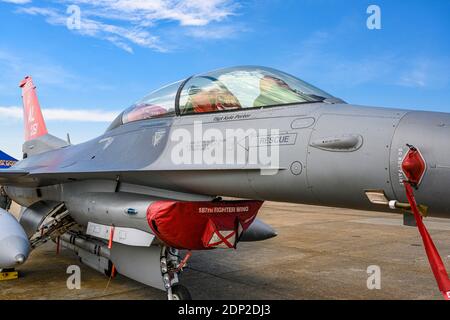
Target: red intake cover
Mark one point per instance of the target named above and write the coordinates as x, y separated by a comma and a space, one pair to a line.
414, 166
201, 225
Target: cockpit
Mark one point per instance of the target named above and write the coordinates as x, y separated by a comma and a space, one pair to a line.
223, 90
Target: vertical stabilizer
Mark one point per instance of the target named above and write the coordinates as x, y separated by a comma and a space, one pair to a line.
33, 119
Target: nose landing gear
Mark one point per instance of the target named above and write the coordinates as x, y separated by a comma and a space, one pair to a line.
180, 292
171, 267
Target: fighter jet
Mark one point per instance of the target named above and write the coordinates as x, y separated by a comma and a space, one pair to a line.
165, 175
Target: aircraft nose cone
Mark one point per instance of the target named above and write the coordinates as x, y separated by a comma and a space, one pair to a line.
14, 251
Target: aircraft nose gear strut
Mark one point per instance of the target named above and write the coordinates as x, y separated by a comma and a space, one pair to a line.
434, 258
171, 267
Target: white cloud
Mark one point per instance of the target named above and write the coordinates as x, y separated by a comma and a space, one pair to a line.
314, 59
45, 72
421, 72
185, 12
414, 78
112, 33
133, 22
214, 33
16, 1
60, 114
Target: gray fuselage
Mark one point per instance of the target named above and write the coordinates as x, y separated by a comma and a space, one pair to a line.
329, 154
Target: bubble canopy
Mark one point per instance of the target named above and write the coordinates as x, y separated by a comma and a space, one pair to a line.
222, 90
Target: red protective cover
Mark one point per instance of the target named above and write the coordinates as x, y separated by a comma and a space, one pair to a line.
414, 166
201, 225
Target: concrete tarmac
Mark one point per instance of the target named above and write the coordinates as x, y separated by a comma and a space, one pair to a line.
319, 253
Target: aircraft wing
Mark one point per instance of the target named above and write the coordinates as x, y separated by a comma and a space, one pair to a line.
11, 175
12, 172
42, 177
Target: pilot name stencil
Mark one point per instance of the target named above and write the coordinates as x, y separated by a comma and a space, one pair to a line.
232, 117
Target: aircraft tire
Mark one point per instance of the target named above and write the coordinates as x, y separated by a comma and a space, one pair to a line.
180, 292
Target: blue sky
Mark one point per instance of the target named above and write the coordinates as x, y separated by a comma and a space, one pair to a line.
127, 48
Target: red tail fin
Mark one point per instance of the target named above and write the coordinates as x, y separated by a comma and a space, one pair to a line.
33, 119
